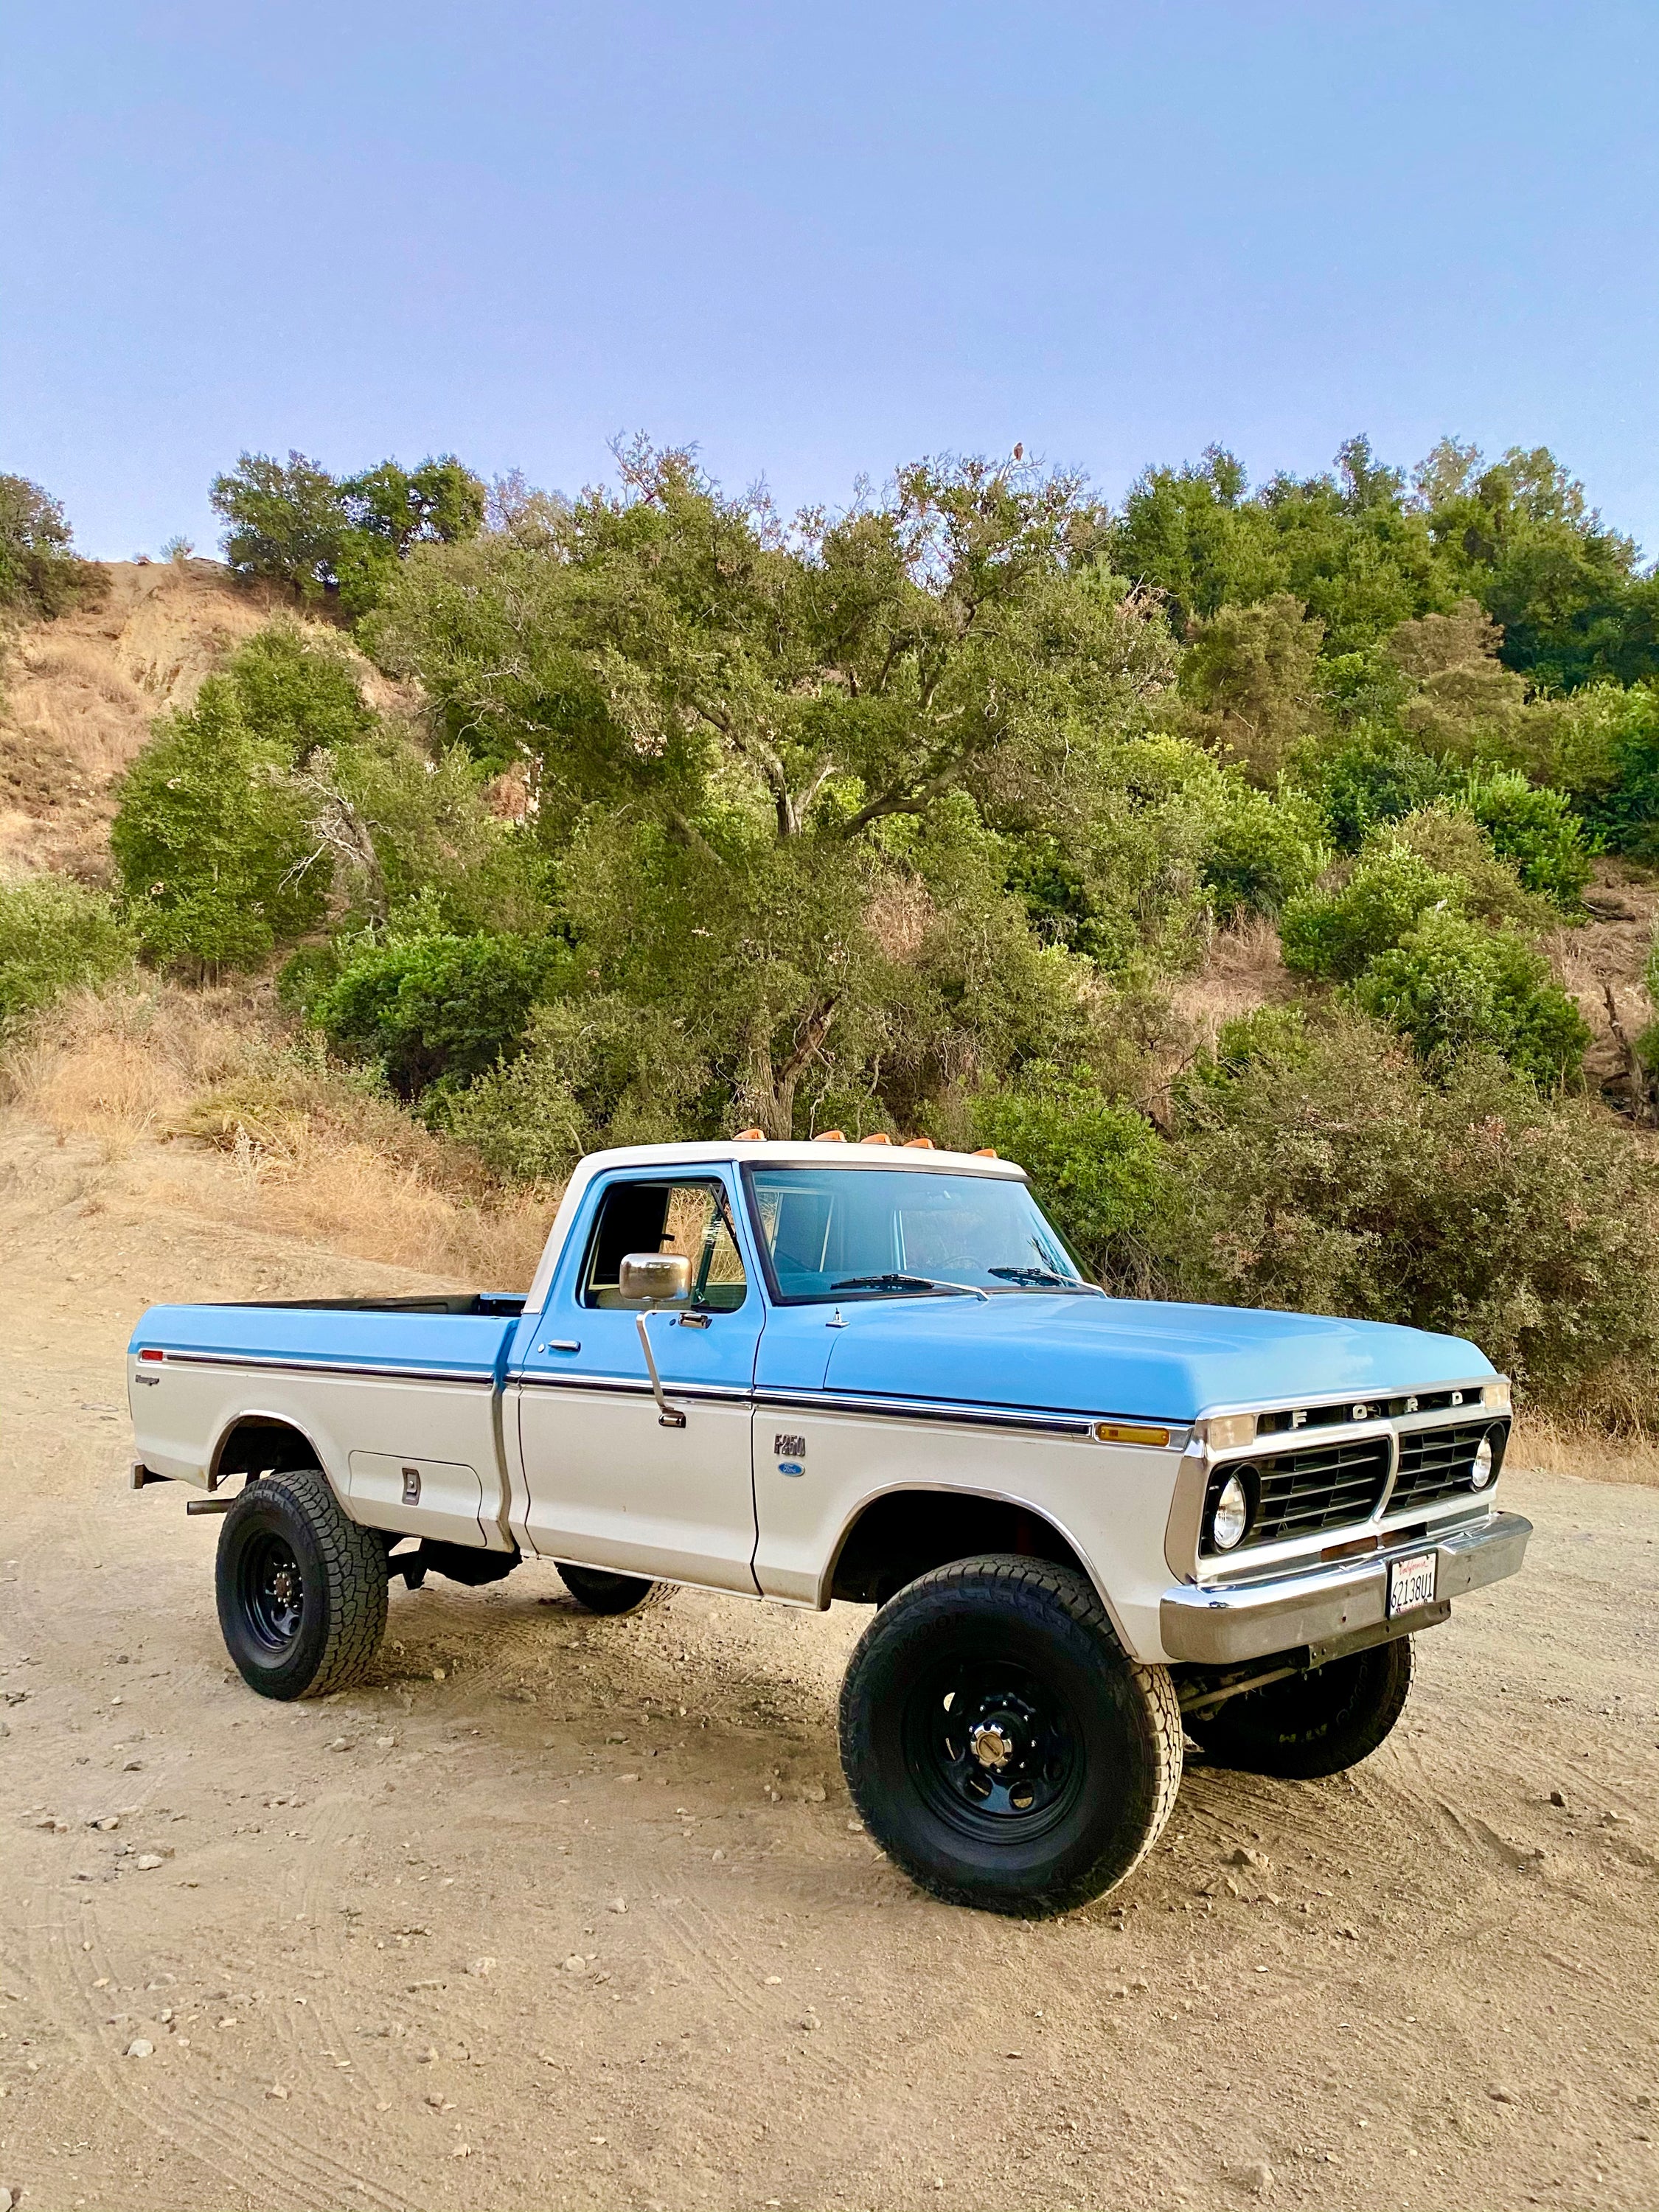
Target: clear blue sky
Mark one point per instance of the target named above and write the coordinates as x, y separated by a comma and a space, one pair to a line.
819, 240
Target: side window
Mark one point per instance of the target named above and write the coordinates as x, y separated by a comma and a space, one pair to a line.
690, 1219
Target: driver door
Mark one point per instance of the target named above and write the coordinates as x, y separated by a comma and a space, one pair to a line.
609, 1484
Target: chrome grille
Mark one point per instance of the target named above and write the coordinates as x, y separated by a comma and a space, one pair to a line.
1301, 1493
1434, 1464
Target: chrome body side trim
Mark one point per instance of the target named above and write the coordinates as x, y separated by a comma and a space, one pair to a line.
962, 1413
356, 1370
628, 1386
1217, 1625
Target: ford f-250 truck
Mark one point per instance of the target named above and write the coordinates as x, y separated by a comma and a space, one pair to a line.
1090, 1527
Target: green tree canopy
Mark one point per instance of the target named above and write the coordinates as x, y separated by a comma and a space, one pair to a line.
1564, 588
39, 575
294, 522
729, 724
1351, 548
1364, 550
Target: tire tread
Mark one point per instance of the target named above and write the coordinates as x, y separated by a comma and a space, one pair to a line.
354, 1565
1046, 1582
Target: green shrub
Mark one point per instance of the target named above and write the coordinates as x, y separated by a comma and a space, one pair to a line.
1333, 934
55, 935
1455, 987
1263, 852
1275, 1035
1093, 1165
421, 830
1377, 779
594, 1071
1342, 1182
1454, 844
212, 843
434, 1007
521, 1118
1606, 757
297, 694
1536, 828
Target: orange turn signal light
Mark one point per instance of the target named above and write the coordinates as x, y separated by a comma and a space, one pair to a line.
830, 1137
1121, 1432
750, 1137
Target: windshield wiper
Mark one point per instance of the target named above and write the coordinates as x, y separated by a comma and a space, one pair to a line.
909, 1283
1045, 1278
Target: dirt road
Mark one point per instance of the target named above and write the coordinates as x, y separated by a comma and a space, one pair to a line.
568, 1912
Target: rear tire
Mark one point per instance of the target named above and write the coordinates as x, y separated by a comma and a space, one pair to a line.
999, 1745
302, 1589
596, 1591
1314, 1725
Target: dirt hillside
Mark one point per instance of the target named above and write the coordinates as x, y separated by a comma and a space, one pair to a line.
77, 696
571, 1912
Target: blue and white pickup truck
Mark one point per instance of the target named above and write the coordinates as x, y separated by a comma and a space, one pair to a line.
1090, 1527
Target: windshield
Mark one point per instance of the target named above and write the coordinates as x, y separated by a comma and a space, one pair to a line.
898, 1232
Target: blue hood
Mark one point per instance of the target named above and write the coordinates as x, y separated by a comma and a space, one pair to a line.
1130, 1356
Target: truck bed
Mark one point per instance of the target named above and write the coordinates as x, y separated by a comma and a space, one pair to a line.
399, 1399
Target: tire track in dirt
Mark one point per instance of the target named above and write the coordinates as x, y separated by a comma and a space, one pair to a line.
271, 2164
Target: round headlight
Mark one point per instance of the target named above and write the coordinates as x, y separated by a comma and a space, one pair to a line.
1232, 1516
1481, 1473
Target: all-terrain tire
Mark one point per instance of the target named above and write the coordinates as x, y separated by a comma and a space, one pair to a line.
598, 1591
1000, 1746
302, 1589
1313, 1724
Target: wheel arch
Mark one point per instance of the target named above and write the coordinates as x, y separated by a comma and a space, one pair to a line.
910, 1527
254, 1441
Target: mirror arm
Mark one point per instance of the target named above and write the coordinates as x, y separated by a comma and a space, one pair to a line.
668, 1416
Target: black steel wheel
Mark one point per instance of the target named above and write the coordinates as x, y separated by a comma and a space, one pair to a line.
998, 1743
271, 1589
597, 1591
995, 1748
301, 1589
1313, 1724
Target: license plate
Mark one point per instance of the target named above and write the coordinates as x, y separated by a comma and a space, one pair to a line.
1411, 1582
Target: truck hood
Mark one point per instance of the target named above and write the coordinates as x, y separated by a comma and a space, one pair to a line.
1129, 1355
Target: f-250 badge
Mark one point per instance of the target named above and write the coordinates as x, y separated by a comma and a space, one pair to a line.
790, 1452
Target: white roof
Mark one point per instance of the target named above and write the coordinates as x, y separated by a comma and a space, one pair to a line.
813, 1152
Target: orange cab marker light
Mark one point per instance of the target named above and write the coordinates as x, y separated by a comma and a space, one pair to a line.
147, 1354
880, 1137
918, 1144
830, 1137
986, 1153
750, 1137
1121, 1432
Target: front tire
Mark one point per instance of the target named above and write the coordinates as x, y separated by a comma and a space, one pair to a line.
999, 1745
1314, 1725
596, 1591
302, 1589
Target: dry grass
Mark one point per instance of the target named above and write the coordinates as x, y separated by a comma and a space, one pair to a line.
300, 1145
1581, 1448
1242, 970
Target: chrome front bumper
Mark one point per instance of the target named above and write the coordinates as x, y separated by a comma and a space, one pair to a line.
1218, 1625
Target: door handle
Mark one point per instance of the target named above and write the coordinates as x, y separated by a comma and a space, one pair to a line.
668, 1416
